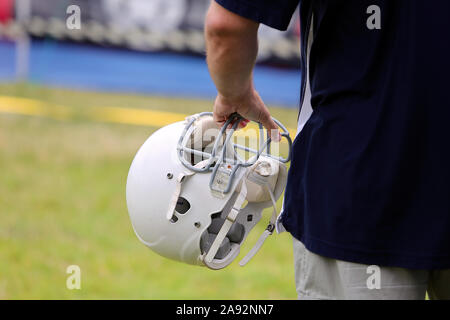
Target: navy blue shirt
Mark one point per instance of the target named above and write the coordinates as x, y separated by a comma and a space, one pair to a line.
370, 174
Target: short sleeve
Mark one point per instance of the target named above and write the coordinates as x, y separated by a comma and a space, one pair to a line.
273, 13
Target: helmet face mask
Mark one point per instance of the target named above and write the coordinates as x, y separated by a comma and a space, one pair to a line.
188, 184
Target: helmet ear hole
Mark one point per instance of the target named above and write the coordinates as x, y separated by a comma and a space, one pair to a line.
182, 205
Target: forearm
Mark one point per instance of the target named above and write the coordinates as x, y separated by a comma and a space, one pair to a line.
231, 49
231, 46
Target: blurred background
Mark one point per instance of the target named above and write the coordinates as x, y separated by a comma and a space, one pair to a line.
82, 85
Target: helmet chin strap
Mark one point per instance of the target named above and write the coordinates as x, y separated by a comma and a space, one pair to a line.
227, 224
231, 218
269, 231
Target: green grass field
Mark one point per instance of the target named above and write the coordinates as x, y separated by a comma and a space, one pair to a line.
62, 202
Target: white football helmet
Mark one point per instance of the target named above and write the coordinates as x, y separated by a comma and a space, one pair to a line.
188, 184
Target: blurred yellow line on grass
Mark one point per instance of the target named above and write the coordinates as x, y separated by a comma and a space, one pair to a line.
33, 107
21, 106
105, 114
136, 116
142, 117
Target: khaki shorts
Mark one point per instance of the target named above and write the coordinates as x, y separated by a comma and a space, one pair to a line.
318, 278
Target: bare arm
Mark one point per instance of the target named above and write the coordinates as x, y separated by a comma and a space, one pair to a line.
231, 47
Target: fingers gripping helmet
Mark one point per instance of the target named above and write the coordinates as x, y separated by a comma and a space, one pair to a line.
188, 184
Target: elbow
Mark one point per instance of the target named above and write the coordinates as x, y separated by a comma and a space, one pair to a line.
221, 23
217, 26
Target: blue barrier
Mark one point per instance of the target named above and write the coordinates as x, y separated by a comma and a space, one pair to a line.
88, 67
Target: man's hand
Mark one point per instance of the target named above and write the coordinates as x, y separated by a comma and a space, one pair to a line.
250, 106
232, 46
